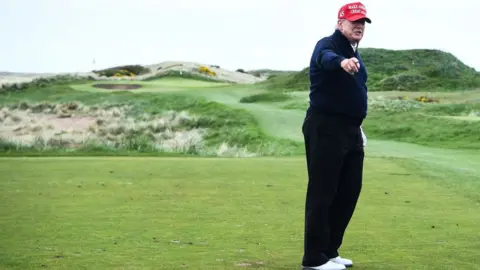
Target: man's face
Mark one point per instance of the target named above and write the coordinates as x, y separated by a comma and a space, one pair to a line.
353, 30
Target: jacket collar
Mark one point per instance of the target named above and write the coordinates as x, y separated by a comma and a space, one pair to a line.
340, 37
343, 41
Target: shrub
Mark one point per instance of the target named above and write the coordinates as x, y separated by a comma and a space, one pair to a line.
180, 74
256, 73
124, 73
204, 69
120, 71
426, 99
400, 104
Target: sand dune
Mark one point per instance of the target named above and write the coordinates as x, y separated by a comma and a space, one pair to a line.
155, 69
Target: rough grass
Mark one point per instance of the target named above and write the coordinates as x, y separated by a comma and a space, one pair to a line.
103, 213
73, 125
423, 129
405, 119
250, 127
41, 83
124, 74
398, 70
228, 130
465, 109
467, 96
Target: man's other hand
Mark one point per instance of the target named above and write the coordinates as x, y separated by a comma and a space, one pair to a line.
350, 65
364, 137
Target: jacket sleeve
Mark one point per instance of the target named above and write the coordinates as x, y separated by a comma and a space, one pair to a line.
325, 55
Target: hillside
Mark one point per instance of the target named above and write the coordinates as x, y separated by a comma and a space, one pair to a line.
213, 109
399, 70
137, 73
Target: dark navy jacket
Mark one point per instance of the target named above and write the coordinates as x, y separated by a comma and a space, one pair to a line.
333, 91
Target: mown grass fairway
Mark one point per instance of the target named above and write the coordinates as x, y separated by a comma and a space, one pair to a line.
194, 213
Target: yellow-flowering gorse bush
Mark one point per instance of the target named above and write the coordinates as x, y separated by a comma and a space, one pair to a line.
204, 69
426, 99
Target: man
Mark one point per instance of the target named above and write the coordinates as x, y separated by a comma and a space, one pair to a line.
334, 139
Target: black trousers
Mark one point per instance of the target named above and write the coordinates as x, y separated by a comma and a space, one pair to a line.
334, 154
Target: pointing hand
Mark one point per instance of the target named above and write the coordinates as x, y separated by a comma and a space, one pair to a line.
350, 65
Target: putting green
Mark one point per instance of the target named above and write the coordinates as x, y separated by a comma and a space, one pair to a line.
161, 85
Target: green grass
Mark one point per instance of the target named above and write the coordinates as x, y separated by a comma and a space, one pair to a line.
398, 70
272, 124
420, 129
418, 207
43, 83
443, 122
265, 97
234, 126
452, 122
457, 97
166, 84
270, 115
416, 141
169, 213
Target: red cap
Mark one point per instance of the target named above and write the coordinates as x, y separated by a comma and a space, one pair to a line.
353, 11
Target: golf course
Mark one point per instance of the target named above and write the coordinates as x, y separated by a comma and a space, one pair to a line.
192, 166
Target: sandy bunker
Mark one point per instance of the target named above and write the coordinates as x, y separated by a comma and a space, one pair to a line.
73, 125
111, 86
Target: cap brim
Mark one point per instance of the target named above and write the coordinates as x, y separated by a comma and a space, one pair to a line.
359, 17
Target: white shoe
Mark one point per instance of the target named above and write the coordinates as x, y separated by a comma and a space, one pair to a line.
340, 260
327, 266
